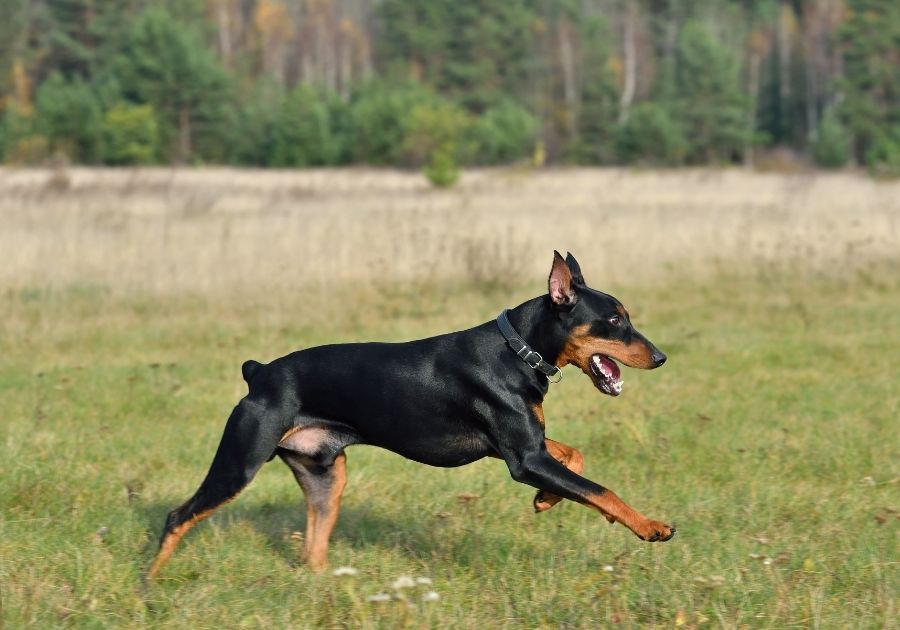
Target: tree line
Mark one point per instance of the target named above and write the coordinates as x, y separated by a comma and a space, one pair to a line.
439, 83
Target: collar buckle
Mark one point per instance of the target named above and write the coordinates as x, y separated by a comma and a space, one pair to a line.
537, 358
531, 357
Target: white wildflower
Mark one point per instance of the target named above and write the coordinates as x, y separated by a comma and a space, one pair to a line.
404, 581
379, 597
430, 596
423, 580
342, 571
609, 568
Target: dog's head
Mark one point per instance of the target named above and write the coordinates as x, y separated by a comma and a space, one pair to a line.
597, 328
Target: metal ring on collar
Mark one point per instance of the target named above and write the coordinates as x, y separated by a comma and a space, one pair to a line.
558, 373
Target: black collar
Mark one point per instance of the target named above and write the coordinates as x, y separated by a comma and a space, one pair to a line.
525, 352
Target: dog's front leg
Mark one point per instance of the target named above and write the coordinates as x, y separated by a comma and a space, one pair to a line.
535, 466
569, 457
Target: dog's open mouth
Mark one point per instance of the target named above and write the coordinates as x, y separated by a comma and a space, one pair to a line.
606, 374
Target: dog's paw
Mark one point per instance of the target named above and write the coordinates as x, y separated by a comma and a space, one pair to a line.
654, 531
542, 503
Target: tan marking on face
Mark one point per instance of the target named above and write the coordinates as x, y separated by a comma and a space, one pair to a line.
621, 310
580, 346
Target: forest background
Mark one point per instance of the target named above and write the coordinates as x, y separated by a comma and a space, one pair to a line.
441, 84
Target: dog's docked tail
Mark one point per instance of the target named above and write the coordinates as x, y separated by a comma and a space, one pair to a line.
248, 369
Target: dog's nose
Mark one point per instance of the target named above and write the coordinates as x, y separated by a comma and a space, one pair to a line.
658, 358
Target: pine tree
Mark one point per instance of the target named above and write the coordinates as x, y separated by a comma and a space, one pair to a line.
69, 116
477, 51
871, 87
167, 66
709, 103
303, 131
599, 103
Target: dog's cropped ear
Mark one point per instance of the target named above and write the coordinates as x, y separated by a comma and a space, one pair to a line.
575, 268
560, 284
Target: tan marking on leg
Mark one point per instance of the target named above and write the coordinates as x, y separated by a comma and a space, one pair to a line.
324, 523
172, 539
616, 510
569, 457
311, 515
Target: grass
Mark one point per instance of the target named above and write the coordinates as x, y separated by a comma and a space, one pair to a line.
769, 439
129, 300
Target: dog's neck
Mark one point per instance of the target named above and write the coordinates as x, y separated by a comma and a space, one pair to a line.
539, 325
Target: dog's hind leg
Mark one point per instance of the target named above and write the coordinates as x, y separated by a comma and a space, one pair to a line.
250, 439
569, 457
322, 484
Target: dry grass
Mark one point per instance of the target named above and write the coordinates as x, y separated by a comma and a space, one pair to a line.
221, 230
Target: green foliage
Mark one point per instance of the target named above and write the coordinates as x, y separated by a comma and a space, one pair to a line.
20, 139
303, 130
708, 101
379, 115
871, 85
651, 136
69, 116
29, 150
884, 156
442, 168
831, 148
599, 106
252, 134
130, 134
13, 23
435, 136
530, 73
433, 126
14, 126
167, 66
504, 133
477, 51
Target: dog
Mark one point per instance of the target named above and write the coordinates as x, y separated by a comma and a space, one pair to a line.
443, 401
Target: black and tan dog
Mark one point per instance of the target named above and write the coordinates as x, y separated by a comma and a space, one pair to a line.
443, 401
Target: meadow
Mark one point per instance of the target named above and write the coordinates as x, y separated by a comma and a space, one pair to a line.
129, 300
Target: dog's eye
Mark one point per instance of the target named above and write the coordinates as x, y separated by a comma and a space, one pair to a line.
615, 320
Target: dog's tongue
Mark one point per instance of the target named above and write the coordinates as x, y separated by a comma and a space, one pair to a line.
607, 367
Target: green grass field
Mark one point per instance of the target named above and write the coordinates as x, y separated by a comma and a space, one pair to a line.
769, 439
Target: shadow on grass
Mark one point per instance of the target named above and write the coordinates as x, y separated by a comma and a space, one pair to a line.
421, 536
